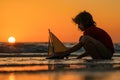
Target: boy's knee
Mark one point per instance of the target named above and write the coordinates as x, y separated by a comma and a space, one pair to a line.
89, 43
87, 40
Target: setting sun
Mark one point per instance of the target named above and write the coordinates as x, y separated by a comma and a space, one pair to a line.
11, 39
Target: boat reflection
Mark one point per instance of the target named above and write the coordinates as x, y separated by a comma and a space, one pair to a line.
61, 75
52, 66
61, 71
97, 66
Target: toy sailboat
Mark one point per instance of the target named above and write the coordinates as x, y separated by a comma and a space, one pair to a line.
55, 45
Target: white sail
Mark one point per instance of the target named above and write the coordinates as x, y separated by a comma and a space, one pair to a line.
55, 45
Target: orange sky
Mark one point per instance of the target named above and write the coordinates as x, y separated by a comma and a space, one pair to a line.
29, 20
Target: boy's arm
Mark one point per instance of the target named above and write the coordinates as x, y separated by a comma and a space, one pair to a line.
70, 50
74, 48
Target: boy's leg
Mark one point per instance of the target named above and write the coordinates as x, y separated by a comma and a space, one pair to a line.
94, 48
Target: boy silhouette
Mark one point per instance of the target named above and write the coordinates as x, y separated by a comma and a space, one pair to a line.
96, 42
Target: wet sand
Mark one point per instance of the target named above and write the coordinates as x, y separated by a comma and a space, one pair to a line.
61, 75
36, 68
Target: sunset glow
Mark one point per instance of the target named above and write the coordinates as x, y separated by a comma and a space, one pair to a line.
11, 39
29, 20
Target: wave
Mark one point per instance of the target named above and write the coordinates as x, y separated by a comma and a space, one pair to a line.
37, 47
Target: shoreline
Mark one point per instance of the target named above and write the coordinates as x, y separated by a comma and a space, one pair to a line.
17, 55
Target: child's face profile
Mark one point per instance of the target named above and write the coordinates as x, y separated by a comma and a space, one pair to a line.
81, 27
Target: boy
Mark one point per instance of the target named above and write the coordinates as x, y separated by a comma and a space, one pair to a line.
96, 42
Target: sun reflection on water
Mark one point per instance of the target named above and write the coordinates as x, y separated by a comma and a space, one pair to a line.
12, 76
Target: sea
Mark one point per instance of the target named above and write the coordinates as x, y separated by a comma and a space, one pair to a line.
27, 61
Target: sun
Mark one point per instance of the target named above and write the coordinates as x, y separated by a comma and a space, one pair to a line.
11, 39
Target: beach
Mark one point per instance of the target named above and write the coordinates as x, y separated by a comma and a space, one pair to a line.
62, 75
27, 61
33, 30
39, 68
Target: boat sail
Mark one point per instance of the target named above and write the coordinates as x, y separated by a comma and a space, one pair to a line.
55, 45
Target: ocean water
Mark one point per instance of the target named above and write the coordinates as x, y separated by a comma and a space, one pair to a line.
28, 65
36, 49
39, 68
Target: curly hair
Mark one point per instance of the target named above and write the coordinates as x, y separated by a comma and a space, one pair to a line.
84, 18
